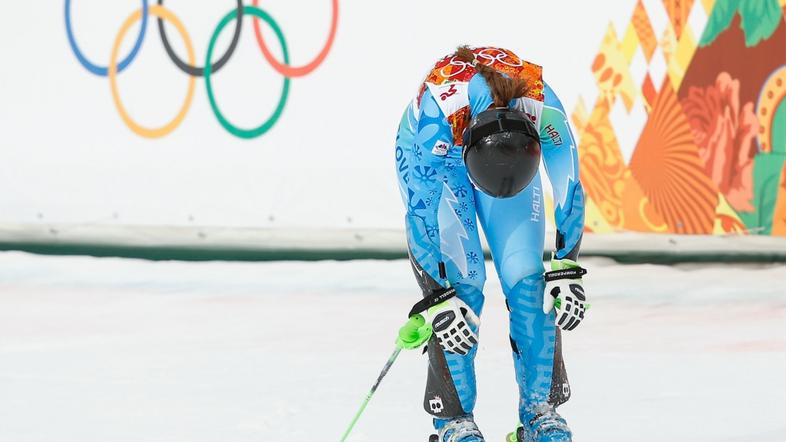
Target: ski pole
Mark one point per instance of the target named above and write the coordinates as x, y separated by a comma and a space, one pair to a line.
412, 335
385, 369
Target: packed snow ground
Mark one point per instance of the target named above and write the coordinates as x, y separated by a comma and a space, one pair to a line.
126, 350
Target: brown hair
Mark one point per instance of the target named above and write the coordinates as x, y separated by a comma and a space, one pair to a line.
503, 89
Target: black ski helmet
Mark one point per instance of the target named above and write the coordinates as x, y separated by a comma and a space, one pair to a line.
501, 151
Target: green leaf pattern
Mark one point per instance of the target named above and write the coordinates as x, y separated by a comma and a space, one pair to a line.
767, 170
760, 19
719, 20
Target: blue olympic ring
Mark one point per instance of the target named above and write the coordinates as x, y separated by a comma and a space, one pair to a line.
102, 71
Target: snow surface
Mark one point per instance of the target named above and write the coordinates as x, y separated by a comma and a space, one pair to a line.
126, 350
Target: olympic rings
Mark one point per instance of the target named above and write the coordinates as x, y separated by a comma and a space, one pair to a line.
101, 70
294, 72
498, 56
264, 127
190, 69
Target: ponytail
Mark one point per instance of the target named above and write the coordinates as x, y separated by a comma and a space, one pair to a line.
503, 89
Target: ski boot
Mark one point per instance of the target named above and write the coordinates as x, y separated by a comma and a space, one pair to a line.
460, 429
545, 426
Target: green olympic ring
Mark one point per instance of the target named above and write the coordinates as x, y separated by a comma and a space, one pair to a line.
267, 125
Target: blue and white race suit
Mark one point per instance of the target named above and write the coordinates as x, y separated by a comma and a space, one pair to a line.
443, 211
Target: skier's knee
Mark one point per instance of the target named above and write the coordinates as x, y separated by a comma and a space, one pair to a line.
521, 267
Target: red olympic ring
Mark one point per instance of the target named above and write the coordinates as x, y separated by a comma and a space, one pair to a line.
297, 71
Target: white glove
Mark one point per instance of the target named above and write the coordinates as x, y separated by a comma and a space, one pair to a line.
565, 292
450, 321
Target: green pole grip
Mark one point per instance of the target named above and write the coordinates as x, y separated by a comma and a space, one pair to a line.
414, 333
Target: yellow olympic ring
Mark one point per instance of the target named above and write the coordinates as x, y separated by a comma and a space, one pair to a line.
165, 14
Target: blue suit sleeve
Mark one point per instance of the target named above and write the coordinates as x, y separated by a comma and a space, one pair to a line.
561, 158
424, 187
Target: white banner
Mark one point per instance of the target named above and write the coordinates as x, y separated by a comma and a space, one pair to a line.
68, 156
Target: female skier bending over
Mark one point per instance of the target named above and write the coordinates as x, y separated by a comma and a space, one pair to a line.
468, 148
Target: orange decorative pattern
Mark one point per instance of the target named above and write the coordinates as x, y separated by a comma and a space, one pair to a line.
643, 26
678, 12
705, 130
610, 68
601, 165
667, 166
458, 121
649, 92
640, 214
534, 74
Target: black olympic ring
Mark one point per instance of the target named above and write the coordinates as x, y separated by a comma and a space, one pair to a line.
197, 71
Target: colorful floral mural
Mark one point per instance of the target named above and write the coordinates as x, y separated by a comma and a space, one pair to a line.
687, 133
